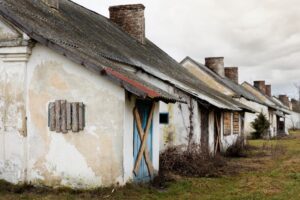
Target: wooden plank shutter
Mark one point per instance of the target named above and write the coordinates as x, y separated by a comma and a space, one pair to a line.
80, 116
51, 116
69, 115
57, 116
64, 116
227, 123
75, 115
236, 123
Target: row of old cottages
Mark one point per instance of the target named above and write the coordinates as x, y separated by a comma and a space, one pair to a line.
88, 101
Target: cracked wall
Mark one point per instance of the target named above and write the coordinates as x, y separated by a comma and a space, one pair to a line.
90, 158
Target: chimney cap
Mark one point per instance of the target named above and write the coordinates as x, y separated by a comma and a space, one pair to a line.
232, 73
127, 7
260, 81
214, 58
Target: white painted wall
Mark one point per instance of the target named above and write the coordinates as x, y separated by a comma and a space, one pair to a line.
250, 117
206, 78
176, 133
12, 118
13, 132
98, 156
90, 158
211, 132
292, 120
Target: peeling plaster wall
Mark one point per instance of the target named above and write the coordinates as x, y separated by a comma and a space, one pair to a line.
90, 158
6, 31
273, 123
180, 126
12, 120
292, 120
176, 132
206, 78
211, 129
250, 117
12, 106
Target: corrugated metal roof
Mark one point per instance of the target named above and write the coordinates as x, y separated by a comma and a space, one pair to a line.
93, 40
270, 102
236, 88
141, 90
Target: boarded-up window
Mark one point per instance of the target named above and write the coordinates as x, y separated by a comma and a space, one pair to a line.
236, 123
64, 116
227, 123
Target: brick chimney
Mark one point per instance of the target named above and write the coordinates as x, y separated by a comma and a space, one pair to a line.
269, 90
284, 99
131, 19
52, 3
261, 86
295, 105
232, 73
216, 64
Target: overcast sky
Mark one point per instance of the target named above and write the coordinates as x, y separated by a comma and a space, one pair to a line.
261, 37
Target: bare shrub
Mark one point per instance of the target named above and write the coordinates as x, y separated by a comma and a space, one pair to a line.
192, 163
239, 149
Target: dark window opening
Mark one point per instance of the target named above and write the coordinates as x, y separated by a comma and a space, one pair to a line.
164, 118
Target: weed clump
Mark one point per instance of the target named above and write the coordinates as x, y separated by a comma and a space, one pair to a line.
238, 149
191, 162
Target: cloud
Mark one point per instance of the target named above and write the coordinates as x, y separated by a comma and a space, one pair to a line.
261, 37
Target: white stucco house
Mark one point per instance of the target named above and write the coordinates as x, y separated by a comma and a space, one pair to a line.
89, 101
226, 81
276, 112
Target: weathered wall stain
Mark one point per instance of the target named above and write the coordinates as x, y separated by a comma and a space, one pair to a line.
97, 149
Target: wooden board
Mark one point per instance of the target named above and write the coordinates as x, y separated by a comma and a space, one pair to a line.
204, 130
63, 116
75, 125
52, 116
57, 116
227, 123
236, 123
80, 116
69, 115
144, 136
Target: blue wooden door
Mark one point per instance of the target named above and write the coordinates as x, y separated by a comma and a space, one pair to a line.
144, 108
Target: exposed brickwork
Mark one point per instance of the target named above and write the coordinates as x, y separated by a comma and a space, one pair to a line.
131, 19
232, 73
284, 99
269, 90
295, 105
261, 86
52, 3
216, 64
